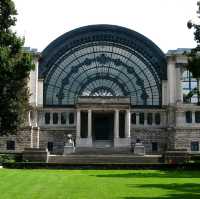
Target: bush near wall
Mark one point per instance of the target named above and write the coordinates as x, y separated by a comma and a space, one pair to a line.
195, 158
10, 158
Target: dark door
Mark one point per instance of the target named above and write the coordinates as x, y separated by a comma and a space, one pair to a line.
103, 126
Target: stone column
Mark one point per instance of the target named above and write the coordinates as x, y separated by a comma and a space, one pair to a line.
29, 118
89, 123
51, 118
38, 138
116, 124
171, 74
127, 124
78, 124
31, 137
179, 97
59, 118
35, 137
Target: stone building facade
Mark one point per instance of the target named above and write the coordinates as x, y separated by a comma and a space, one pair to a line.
109, 87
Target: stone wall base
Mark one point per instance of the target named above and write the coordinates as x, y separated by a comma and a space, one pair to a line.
83, 142
35, 155
122, 142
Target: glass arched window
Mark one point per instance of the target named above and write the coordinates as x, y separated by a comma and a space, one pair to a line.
102, 60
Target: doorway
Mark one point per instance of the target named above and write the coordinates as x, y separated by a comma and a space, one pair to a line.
103, 125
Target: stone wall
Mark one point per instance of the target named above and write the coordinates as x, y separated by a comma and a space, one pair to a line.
148, 136
22, 140
57, 137
184, 137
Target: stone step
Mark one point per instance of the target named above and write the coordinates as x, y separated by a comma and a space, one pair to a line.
103, 144
101, 151
115, 158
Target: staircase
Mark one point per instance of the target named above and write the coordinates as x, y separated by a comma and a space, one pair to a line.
113, 159
103, 144
103, 155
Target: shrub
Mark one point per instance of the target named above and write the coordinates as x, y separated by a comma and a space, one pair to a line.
7, 158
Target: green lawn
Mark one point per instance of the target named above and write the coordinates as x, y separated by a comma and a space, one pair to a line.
98, 184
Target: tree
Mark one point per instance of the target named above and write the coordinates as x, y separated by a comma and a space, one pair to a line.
194, 57
15, 66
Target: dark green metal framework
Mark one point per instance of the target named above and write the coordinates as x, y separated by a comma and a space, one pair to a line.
102, 60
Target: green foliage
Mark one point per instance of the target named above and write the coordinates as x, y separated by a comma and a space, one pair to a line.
194, 66
15, 66
195, 158
194, 58
5, 158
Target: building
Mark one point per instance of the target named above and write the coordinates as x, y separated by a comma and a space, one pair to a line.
109, 87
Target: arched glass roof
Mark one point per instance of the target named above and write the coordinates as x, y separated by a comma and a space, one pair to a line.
102, 60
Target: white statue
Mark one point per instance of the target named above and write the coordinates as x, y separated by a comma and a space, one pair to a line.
69, 145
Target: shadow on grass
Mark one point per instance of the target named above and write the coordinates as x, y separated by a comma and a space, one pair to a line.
184, 191
162, 174
173, 191
171, 196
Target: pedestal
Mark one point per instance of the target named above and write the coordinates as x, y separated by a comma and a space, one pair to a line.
139, 149
68, 149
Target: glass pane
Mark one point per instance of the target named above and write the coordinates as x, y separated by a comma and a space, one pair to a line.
149, 118
55, 118
154, 146
50, 146
102, 69
133, 118
10, 145
71, 118
157, 118
47, 118
63, 118
188, 117
141, 118
197, 116
194, 146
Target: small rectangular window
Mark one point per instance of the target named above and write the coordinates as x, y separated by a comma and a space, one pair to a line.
149, 118
63, 118
133, 118
141, 118
157, 118
154, 146
10, 145
55, 118
188, 117
71, 118
197, 116
47, 118
50, 146
194, 146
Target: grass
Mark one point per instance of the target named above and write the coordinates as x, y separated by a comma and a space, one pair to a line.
99, 184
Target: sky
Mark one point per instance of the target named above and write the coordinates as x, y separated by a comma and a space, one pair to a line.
162, 21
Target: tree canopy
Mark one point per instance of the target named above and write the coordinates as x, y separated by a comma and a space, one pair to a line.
194, 56
15, 66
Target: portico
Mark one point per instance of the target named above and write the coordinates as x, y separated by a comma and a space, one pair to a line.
105, 120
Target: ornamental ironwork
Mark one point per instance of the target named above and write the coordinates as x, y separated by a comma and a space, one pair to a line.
102, 60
